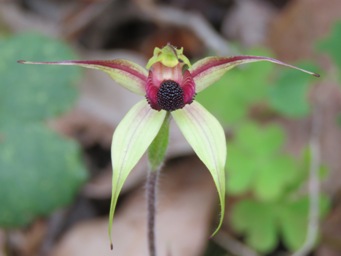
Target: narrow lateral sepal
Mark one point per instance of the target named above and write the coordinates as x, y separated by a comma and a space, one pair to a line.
209, 70
126, 73
130, 141
207, 138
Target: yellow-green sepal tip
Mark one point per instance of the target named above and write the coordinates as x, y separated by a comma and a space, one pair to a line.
169, 56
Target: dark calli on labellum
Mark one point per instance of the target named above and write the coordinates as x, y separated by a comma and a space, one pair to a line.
170, 96
169, 87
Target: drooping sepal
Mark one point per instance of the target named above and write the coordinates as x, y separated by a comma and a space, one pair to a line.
208, 70
126, 73
130, 141
207, 138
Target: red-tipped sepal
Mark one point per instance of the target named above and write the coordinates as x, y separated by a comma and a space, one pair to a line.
208, 70
124, 72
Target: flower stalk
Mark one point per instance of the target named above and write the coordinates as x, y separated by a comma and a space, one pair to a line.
156, 155
151, 210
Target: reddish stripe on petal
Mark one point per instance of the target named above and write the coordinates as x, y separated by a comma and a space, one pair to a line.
212, 63
209, 70
237, 60
128, 74
188, 86
114, 64
151, 92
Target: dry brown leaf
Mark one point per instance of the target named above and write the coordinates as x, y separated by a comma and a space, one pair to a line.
300, 25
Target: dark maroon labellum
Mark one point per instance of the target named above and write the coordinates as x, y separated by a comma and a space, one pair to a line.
170, 96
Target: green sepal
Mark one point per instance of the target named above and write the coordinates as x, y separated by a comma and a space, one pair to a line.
207, 138
157, 150
210, 69
130, 141
126, 73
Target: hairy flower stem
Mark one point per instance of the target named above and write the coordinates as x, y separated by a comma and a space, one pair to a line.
151, 208
156, 155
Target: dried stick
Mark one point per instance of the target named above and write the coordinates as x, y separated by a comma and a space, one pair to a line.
313, 185
193, 21
235, 247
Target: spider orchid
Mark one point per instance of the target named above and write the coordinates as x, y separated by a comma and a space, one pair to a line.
169, 84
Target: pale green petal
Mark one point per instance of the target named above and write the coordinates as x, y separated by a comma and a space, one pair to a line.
209, 70
130, 141
126, 73
207, 138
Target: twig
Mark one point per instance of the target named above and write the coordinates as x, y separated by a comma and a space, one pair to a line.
224, 240
193, 21
313, 185
89, 13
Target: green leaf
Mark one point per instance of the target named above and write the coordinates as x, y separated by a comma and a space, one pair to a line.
265, 223
207, 138
130, 141
289, 95
302, 175
258, 222
241, 173
266, 139
231, 97
274, 177
257, 164
39, 172
29, 93
293, 220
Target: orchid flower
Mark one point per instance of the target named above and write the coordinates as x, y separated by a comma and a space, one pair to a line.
169, 84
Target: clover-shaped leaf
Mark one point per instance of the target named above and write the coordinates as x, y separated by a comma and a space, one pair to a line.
257, 163
257, 222
289, 93
264, 223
